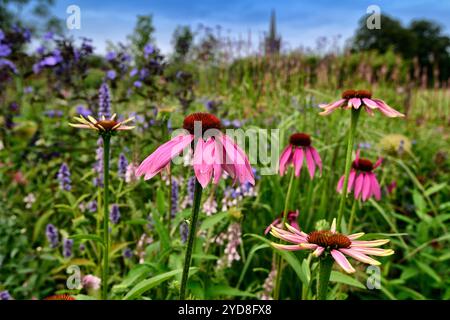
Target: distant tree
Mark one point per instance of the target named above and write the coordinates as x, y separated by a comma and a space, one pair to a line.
11, 10
392, 35
142, 35
422, 39
433, 48
272, 43
182, 41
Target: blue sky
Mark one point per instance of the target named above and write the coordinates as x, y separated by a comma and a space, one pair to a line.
300, 22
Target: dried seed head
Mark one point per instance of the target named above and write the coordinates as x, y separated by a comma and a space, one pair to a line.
106, 125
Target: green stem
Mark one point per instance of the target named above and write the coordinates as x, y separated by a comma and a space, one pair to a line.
169, 217
106, 147
190, 245
348, 162
276, 294
352, 216
325, 266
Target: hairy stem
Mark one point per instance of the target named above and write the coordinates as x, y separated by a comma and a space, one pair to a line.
190, 245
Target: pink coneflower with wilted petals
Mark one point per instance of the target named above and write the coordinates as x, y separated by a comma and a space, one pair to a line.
360, 98
212, 155
300, 147
362, 180
103, 125
334, 243
291, 218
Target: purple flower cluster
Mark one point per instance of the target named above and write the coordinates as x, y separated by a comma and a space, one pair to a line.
104, 101
82, 110
4, 295
64, 178
67, 248
114, 214
127, 253
98, 165
122, 166
53, 113
184, 231
52, 235
119, 62
175, 196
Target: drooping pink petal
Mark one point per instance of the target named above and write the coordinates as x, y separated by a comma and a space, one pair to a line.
274, 223
375, 251
340, 184
331, 107
317, 158
378, 163
356, 102
287, 247
311, 246
318, 252
202, 163
342, 261
298, 161
359, 184
155, 162
235, 156
369, 111
387, 110
310, 162
296, 230
376, 190
367, 187
286, 236
217, 166
360, 256
371, 243
356, 235
351, 180
285, 159
370, 103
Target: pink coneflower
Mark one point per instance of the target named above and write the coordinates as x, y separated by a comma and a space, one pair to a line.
213, 155
300, 147
360, 98
334, 243
362, 180
291, 218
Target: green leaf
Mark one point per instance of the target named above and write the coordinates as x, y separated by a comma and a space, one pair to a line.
161, 201
252, 252
436, 188
162, 231
38, 227
290, 258
148, 284
345, 279
136, 274
211, 221
223, 290
92, 237
83, 297
429, 271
